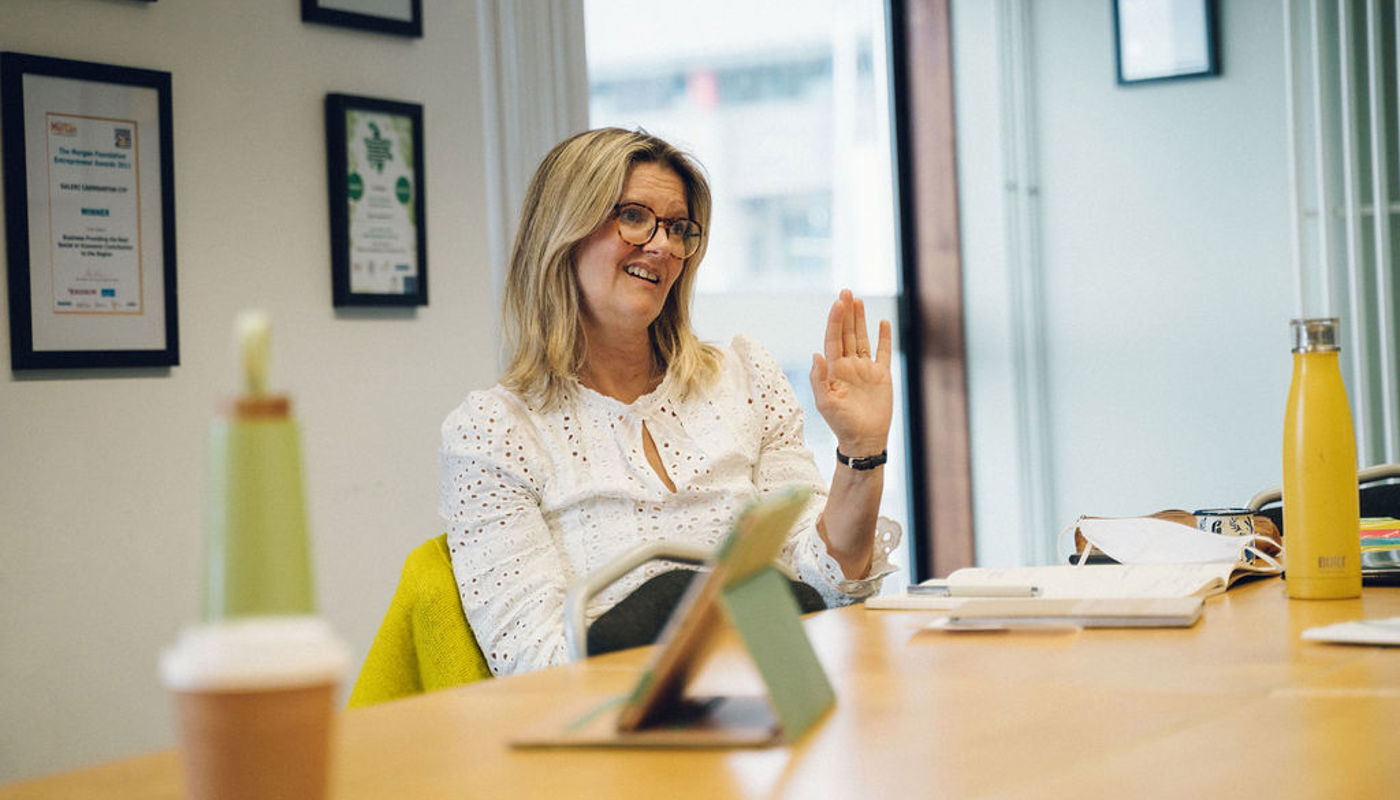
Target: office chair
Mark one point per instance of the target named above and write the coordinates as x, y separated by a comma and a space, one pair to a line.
586, 588
1378, 499
425, 641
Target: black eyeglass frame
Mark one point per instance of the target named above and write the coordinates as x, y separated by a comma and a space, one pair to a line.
686, 249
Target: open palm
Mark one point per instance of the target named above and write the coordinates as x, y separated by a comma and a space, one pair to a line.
852, 385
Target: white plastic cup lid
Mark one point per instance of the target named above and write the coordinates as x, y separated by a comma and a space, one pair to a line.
255, 653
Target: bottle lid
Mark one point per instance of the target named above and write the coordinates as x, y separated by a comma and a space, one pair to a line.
1316, 334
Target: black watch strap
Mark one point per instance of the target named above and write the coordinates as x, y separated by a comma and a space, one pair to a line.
865, 462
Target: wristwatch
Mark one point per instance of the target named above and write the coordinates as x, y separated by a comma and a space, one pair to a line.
865, 462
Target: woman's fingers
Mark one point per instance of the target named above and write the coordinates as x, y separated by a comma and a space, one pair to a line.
848, 323
862, 347
885, 351
832, 345
847, 335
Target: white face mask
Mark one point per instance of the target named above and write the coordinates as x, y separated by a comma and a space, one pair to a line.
1149, 540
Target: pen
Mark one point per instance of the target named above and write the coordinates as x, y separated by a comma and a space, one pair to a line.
945, 589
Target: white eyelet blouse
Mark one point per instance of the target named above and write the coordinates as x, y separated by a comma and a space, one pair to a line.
533, 500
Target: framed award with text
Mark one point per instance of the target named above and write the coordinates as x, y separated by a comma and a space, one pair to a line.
89, 214
379, 250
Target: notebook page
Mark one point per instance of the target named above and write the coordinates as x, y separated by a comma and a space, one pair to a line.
1107, 580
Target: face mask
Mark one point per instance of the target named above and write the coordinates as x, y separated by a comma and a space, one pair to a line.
1148, 540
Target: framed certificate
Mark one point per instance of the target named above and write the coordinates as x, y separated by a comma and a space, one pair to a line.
379, 251
402, 17
89, 214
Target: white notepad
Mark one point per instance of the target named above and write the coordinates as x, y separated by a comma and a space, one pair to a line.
1103, 612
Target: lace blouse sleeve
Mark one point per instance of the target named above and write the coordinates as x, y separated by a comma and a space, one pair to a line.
784, 460
508, 571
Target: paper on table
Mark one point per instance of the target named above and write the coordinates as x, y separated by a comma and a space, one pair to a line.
1365, 631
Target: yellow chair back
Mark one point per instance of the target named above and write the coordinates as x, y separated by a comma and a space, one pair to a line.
424, 642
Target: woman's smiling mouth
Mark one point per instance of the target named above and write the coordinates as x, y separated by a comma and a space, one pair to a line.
638, 271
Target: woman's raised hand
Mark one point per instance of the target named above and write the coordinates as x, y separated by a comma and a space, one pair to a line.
852, 385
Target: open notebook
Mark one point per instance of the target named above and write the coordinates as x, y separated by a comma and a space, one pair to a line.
1060, 581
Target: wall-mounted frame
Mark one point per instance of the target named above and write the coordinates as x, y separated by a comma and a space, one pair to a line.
379, 247
402, 17
1159, 40
89, 214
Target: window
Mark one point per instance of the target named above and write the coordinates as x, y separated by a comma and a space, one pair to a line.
790, 117
788, 236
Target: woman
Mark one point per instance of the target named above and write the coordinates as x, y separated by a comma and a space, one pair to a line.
614, 425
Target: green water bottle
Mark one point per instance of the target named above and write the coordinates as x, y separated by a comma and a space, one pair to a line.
258, 560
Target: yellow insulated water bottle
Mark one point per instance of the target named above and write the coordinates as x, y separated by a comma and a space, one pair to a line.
1321, 507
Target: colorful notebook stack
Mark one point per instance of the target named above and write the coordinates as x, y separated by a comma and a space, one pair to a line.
1380, 550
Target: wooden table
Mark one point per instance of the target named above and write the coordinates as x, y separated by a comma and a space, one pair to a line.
1238, 706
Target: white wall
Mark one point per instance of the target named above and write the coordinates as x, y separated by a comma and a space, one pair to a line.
102, 472
1166, 266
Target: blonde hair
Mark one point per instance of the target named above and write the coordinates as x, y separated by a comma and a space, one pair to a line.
572, 192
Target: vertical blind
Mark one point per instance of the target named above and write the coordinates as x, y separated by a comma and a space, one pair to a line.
1342, 61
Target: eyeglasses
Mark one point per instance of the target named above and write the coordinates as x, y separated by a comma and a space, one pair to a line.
637, 224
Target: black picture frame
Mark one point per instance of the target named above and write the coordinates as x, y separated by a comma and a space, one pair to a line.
374, 216
329, 12
1147, 51
90, 229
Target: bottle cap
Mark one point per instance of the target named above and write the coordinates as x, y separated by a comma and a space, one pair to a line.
1316, 334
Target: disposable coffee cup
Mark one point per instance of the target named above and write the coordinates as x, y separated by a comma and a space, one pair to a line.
254, 702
